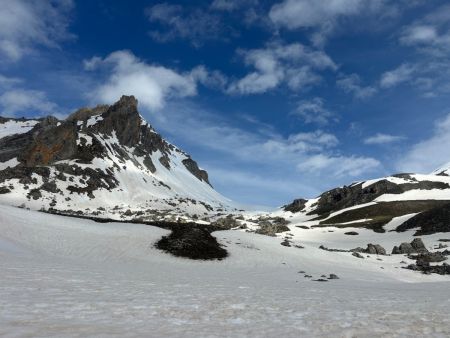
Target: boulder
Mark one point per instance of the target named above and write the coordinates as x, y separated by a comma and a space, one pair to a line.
375, 249
416, 246
271, 229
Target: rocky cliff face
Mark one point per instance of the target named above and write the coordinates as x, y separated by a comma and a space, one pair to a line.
104, 161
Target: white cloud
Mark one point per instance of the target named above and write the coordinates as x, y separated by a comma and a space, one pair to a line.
310, 13
429, 154
431, 33
429, 36
262, 152
151, 84
313, 111
25, 101
294, 65
26, 24
352, 84
380, 138
322, 17
196, 25
301, 143
420, 34
208, 78
396, 76
232, 5
7, 82
339, 166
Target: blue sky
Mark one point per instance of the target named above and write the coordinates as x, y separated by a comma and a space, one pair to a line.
276, 99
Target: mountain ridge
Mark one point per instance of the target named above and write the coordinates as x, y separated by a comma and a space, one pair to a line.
98, 151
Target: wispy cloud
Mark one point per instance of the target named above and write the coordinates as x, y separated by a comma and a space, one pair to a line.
381, 138
15, 101
339, 166
396, 76
314, 111
197, 25
352, 84
27, 24
428, 154
300, 158
322, 17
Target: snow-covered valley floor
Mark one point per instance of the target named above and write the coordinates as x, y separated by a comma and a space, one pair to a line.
67, 277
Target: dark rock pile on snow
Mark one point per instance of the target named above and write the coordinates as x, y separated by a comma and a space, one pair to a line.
191, 241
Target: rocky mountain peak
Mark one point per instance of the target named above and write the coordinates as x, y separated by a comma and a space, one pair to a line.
108, 147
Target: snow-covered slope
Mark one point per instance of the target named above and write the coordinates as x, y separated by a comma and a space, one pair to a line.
373, 204
69, 277
103, 162
443, 170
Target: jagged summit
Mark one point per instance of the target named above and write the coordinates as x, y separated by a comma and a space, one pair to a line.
103, 161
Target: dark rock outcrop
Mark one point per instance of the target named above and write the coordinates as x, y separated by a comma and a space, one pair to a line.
427, 268
348, 196
191, 242
429, 222
296, 206
192, 166
375, 216
83, 114
416, 246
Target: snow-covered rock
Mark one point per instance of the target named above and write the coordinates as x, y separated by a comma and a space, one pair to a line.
374, 203
106, 162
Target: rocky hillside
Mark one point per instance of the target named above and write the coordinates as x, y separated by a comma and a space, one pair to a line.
105, 161
422, 200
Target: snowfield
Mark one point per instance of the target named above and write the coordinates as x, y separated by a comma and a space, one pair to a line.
68, 277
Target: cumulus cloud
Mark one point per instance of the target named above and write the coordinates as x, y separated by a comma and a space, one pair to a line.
25, 24
352, 84
293, 64
151, 84
314, 111
429, 154
381, 138
16, 101
396, 76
